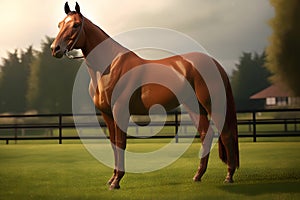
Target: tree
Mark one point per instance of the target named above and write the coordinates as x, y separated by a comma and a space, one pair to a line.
13, 81
249, 78
284, 50
51, 82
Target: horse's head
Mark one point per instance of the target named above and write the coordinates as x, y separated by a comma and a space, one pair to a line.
70, 32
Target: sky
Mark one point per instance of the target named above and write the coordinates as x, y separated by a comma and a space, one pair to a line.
225, 28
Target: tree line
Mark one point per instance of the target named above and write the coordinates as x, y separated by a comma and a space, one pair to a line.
34, 80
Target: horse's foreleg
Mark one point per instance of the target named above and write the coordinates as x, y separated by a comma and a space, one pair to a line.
111, 128
120, 142
119, 145
202, 168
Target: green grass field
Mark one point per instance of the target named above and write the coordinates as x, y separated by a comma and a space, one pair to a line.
269, 170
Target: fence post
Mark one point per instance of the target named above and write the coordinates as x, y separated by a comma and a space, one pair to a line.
60, 128
16, 133
285, 126
176, 126
250, 127
254, 125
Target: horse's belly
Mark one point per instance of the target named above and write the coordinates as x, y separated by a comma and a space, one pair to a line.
152, 94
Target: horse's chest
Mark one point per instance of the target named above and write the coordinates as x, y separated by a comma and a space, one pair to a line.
102, 98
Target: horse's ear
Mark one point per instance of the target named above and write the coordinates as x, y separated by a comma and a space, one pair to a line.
77, 8
67, 8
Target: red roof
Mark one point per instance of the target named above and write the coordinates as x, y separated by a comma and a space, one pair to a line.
272, 91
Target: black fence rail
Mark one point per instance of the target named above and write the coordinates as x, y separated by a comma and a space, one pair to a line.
270, 123
251, 123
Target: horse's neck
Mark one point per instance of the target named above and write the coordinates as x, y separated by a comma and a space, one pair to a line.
100, 49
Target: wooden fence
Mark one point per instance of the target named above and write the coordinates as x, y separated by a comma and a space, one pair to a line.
251, 123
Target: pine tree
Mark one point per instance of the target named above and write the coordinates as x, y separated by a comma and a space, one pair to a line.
249, 78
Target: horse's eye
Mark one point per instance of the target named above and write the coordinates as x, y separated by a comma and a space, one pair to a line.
76, 25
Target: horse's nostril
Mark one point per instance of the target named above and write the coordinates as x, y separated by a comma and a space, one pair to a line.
57, 48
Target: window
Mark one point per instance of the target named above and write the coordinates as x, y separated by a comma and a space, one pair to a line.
282, 101
270, 101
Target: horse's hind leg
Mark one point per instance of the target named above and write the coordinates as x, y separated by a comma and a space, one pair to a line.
201, 122
202, 168
228, 143
228, 146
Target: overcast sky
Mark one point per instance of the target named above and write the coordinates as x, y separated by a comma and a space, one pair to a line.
225, 28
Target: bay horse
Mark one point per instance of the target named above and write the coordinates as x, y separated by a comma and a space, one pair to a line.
77, 32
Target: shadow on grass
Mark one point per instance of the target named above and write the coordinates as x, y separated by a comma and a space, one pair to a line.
256, 189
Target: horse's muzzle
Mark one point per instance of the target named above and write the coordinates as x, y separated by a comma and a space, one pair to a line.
56, 51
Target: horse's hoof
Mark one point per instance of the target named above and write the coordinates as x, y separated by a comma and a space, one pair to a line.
109, 182
114, 187
228, 180
197, 179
